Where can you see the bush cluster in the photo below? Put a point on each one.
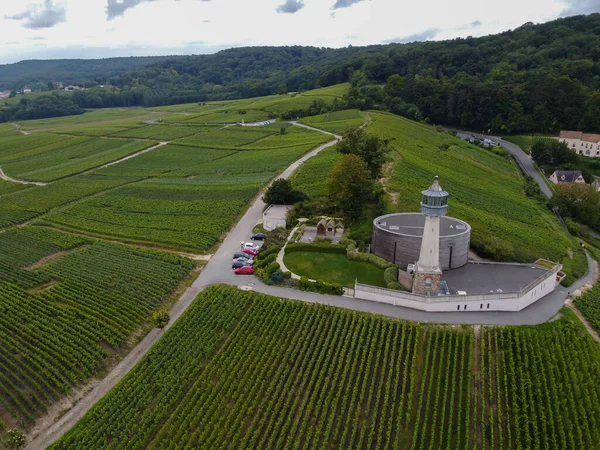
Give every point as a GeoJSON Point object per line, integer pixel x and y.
{"type": "Point", "coordinates": [320, 286]}
{"type": "Point", "coordinates": [354, 255]}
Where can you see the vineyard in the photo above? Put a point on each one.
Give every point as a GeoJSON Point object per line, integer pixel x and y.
{"type": "Point", "coordinates": [187, 196]}
{"type": "Point", "coordinates": [312, 177]}
{"type": "Point", "coordinates": [336, 121]}
{"type": "Point", "coordinates": [67, 304]}
{"type": "Point", "coordinates": [589, 305]}
{"type": "Point", "coordinates": [243, 370]}
{"type": "Point", "coordinates": [67, 157]}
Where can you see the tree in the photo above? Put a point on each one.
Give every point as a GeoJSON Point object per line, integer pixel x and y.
{"type": "Point", "coordinates": [372, 149]}
{"type": "Point", "coordinates": [550, 152]}
{"type": "Point", "coordinates": [350, 185]}
{"type": "Point", "coordinates": [578, 201]}
{"type": "Point", "coordinates": [160, 318]}
{"type": "Point", "coordinates": [281, 193]}
{"type": "Point", "coordinates": [15, 438]}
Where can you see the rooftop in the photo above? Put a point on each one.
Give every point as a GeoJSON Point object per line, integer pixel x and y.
{"type": "Point", "coordinates": [497, 278]}
{"type": "Point", "coordinates": [277, 211]}
{"type": "Point", "coordinates": [412, 224]}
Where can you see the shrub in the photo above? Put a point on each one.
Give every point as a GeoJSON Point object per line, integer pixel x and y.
{"type": "Point", "coordinates": [277, 277]}
{"type": "Point", "coordinates": [320, 248]}
{"type": "Point", "coordinates": [287, 274]}
{"type": "Point", "coordinates": [395, 285]}
{"type": "Point", "coordinates": [264, 262]}
{"type": "Point", "coordinates": [15, 438]}
{"type": "Point", "coordinates": [160, 318]}
{"type": "Point", "coordinates": [261, 274]}
{"type": "Point", "coordinates": [390, 274]}
{"type": "Point", "coordinates": [320, 286]}
{"type": "Point", "coordinates": [354, 255]}
{"type": "Point", "coordinates": [272, 268]}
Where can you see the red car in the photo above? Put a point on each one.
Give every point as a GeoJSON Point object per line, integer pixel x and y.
{"type": "Point", "coordinates": [246, 270]}
{"type": "Point", "coordinates": [249, 251]}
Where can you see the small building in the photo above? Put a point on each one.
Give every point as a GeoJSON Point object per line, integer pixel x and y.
{"type": "Point", "coordinates": [4, 94]}
{"type": "Point", "coordinates": [567, 176]}
{"type": "Point", "coordinates": [26, 90]}
{"type": "Point", "coordinates": [275, 216]}
{"type": "Point", "coordinates": [586, 144]}
{"type": "Point", "coordinates": [329, 228]}
{"type": "Point", "coordinates": [596, 184]}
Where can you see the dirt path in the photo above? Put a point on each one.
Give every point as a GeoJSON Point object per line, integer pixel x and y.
{"type": "Point", "coordinates": [160, 144]}
{"type": "Point", "coordinates": [569, 304]}
{"type": "Point", "coordinates": [5, 177]}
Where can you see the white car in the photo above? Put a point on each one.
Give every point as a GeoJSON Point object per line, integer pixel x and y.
{"type": "Point", "coordinates": [252, 246]}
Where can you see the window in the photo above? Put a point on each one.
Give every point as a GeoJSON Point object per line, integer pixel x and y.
{"type": "Point", "coordinates": [562, 177]}
{"type": "Point", "coordinates": [481, 306]}
{"type": "Point", "coordinates": [458, 307]}
{"type": "Point", "coordinates": [427, 282]}
{"type": "Point", "coordinates": [465, 307]}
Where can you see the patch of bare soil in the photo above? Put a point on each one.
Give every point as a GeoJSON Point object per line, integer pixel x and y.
{"type": "Point", "coordinates": [46, 260]}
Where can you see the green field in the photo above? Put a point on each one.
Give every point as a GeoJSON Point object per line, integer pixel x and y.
{"type": "Point", "coordinates": [311, 177]}
{"type": "Point", "coordinates": [333, 268]}
{"type": "Point", "coordinates": [67, 157]}
{"type": "Point", "coordinates": [64, 316]}
{"type": "Point", "coordinates": [337, 121]}
{"type": "Point", "coordinates": [243, 370]}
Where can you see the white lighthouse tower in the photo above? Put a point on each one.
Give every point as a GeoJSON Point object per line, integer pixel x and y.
{"type": "Point", "coordinates": [434, 204]}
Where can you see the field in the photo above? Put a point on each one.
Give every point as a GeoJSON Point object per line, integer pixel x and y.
{"type": "Point", "coordinates": [187, 196]}
{"type": "Point", "coordinates": [68, 304]}
{"type": "Point", "coordinates": [337, 121]}
{"type": "Point", "coordinates": [243, 370]}
{"type": "Point", "coordinates": [62, 157]}
{"type": "Point", "coordinates": [589, 305]}
{"type": "Point", "coordinates": [333, 268]}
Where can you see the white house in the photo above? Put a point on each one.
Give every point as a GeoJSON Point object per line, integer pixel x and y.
{"type": "Point", "coordinates": [567, 176]}
{"type": "Point", "coordinates": [586, 144]}
{"type": "Point", "coordinates": [27, 90]}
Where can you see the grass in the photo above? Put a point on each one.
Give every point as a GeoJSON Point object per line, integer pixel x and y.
{"type": "Point", "coordinates": [333, 268]}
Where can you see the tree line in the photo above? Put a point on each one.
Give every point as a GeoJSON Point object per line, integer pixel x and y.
{"type": "Point", "coordinates": [536, 78]}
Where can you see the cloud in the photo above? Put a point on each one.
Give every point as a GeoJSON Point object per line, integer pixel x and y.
{"type": "Point", "coordinates": [344, 3]}
{"type": "Point", "coordinates": [290, 7]}
{"type": "Point", "coordinates": [417, 37]}
{"type": "Point", "coordinates": [41, 15]}
{"type": "Point", "coordinates": [575, 7]}
{"type": "Point", "coordinates": [116, 8]}
{"type": "Point", "coordinates": [477, 23]}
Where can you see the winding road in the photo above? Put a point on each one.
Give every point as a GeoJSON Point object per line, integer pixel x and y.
{"type": "Point", "coordinates": [218, 271]}
{"type": "Point", "coordinates": [5, 177]}
{"type": "Point", "coordinates": [522, 158]}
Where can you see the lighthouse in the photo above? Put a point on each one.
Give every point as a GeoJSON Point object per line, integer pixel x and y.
{"type": "Point", "coordinates": [434, 205]}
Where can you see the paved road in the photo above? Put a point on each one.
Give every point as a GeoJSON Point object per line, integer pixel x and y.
{"type": "Point", "coordinates": [521, 157]}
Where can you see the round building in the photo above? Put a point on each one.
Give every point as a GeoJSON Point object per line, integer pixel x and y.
{"type": "Point", "coordinates": [397, 238]}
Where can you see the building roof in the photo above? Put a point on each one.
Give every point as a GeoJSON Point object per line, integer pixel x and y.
{"type": "Point", "coordinates": [488, 278]}
{"type": "Point", "coordinates": [435, 190]}
{"type": "Point", "coordinates": [564, 134]}
{"type": "Point", "coordinates": [570, 176]}
{"type": "Point", "coordinates": [590, 137]}
{"type": "Point", "coordinates": [277, 211]}
{"type": "Point", "coordinates": [586, 137]}
{"type": "Point", "coordinates": [412, 224]}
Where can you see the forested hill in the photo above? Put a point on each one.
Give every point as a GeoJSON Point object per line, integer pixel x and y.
{"type": "Point", "coordinates": [34, 73]}
{"type": "Point", "coordinates": [537, 78]}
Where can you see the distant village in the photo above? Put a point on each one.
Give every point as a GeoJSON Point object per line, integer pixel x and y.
{"type": "Point", "coordinates": [56, 86]}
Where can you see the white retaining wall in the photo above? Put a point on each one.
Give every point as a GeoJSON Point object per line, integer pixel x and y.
{"type": "Point", "coordinates": [482, 302]}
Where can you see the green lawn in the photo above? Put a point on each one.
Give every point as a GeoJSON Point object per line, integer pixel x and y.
{"type": "Point", "coordinates": [333, 268]}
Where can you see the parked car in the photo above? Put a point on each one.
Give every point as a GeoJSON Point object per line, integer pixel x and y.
{"type": "Point", "coordinates": [246, 270]}
{"type": "Point", "coordinates": [238, 264]}
{"type": "Point", "coordinates": [249, 251]}
{"type": "Point", "coordinates": [258, 237]}
{"type": "Point", "coordinates": [251, 245]}
{"type": "Point", "coordinates": [240, 254]}
{"type": "Point", "coordinates": [249, 260]}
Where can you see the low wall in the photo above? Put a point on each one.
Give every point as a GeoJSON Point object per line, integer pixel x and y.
{"type": "Point", "coordinates": [514, 301]}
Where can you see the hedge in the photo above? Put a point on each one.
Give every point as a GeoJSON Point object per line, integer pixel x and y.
{"type": "Point", "coordinates": [354, 255]}
{"type": "Point", "coordinates": [320, 286]}
{"type": "Point", "coordinates": [272, 249]}
{"type": "Point", "coordinates": [319, 248]}
{"type": "Point", "coordinates": [264, 262]}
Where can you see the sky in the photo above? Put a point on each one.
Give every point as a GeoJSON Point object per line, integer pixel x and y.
{"type": "Point", "coordinates": [50, 29]}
